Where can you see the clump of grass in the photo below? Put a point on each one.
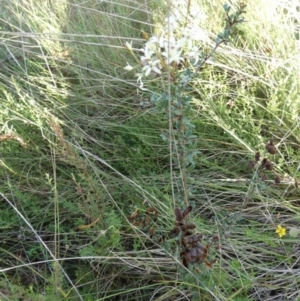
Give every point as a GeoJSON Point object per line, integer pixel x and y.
{"type": "Point", "coordinates": [81, 151]}
{"type": "Point", "coordinates": [60, 141]}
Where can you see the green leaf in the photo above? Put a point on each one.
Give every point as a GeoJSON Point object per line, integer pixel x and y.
{"type": "Point", "coordinates": [226, 7]}
{"type": "Point", "coordinates": [178, 112]}
{"type": "Point", "coordinates": [164, 137]}
{"type": "Point", "coordinates": [294, 232]}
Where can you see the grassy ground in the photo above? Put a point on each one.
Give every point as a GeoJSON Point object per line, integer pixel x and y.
{"type": "Point", "coordinates": [86, 176]}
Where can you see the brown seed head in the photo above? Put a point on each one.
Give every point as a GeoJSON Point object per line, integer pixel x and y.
{"type": "Point", "coordinates": [257, 156]}
{"type": "Point", "coordinates": [174, 232]}
{"type": "Point", "coordinates": [190, 226]}
{"type": "Point", "coordinates": [187, 211]}
{"type": "Point", "coordinates": [269, 165]}
{"type": "Point", "coordinates": [277, 180]}
{"type": "Point", "coordinates": [178, 215]}
{"type": "Point", "coordinates": [271, 148]}
{"type": "Point", "coordinates": [264, 162]}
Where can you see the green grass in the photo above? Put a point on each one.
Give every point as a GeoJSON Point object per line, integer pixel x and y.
{"type": "Point", "coordinates": [81, 155]}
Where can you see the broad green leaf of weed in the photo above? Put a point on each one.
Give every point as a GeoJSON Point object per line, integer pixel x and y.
{"type": "Point", "coordinates": [294, 232]}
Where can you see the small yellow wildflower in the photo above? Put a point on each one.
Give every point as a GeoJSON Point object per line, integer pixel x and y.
{"type": "Point", "coordinates": [280, 231]}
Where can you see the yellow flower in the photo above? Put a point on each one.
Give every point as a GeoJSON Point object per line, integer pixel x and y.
{"type": "Point", "coordinates": [280, 231]}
